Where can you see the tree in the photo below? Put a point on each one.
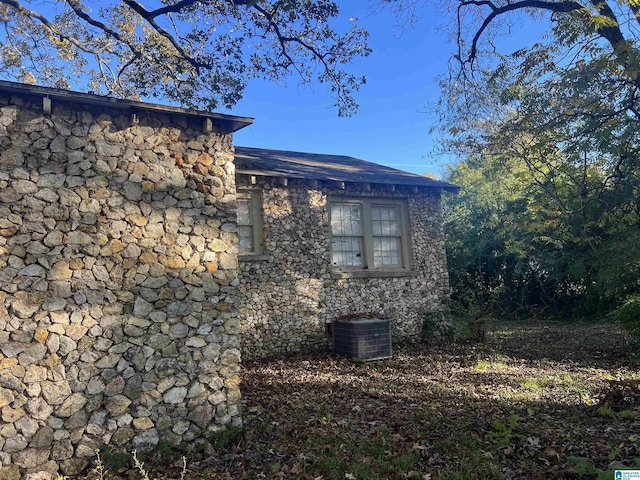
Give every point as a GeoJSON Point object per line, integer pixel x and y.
{"type": "Point", "coordinates": [580, 81]}
{"type": "Point", "coordinates": [564, 113]}
{"type": "Point", "coordinates": [522, 242]}
{"type": "Point", "coordinates": [198, 53]}
{"type": "Point", "coordinates": [568, 110]}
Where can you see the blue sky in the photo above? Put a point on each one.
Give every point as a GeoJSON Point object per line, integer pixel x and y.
{"type": "Point", "coordinates": [392, 125]}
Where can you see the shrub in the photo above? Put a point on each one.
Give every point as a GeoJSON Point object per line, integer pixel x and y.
{"type": "Point", "coordinates": [114, 459]}
{"type": "Point", "coordinates": [435, 326]}
{"type": "Point", "coordinates": [628, 314]}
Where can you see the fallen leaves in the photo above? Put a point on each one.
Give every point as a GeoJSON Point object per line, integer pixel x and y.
{"type": "Point", "coordinates": [437, 409]}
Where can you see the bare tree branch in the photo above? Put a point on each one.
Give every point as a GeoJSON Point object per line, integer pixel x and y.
{"type": "Point", "coordinates": [496, 11]}
{"type": "Point", "coordinates": [149, 18]}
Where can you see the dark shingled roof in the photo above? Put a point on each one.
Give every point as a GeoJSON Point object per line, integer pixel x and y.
{"type": "Point", "coordinates": [224, 123]}
{"type": "Point", "coordinates": [315, 166]}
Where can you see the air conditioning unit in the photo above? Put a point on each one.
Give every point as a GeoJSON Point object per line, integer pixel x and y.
{"type": "Point", "coordinates": [362, 339]}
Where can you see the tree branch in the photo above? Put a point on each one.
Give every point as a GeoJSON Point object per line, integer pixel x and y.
{"type": "Point", "coordinates": [149, 18]}
{"type": "Point", "coordinates": [144, 47]}
{"type": "Point", "coordinates": [75, 6]}
{"type": "Point", "coordinates": [610, 33]}
{"type": "Point", "coordinates": [184, 4]}
{"type": "Point", "coordinates": [174, 8]}
{"type": "Point", "coordinates": [286, 39]}
{"type": "Point", "coordinates": [49, 26]}
{"type": "Point", "coordinates": [558, 7]}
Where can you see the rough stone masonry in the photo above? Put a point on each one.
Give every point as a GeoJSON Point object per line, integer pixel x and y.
{"type": "Point", "coordinates": [118, 277]}
{"type": "Point", "coordinates": [290, 293]}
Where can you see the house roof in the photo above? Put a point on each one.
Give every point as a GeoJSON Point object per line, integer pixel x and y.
{"type": "Point", "coordinates": [315, 166]}
{"type": "Point", "coordinates": [223, 123]}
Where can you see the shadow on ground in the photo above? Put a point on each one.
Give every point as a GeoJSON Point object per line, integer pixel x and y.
{"type": "Point", "coordinates": [524, 405]}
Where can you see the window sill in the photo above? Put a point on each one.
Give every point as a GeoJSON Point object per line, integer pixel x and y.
{"type": "Point", "coordinates": [253, 258]}
{"type": "Point", "coordinates": [373, 273]}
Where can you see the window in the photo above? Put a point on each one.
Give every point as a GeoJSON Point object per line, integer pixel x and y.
{"type": "Point", "coordinates": [368, 233]}
{"type": "Point", "coordinates": [347, 243]}
{"type": "Point", "coordinates": [249, 222]}
{"type": "Point", "coordinates": [385, 227]}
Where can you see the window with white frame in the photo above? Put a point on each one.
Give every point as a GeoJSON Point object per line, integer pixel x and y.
{"type": "Point", "coordinates": [249, 222]}
{"type": "Point", "coordinates": [368, 233]}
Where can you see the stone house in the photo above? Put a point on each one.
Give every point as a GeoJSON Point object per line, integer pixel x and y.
{"type": "Point", "coordinates": [326, 236]}
{"type": "Point", "coordinates": [139, 256]}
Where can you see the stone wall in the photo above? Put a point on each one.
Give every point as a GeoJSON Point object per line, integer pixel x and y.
{"type": "Point", "coordinates": [118, 276]}
{"type": "Point", "coordinates": [290, 293]}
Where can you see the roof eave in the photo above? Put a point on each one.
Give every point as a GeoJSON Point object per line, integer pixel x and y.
{"type": "Point", "coordinates": [224, 124]}
{"type": "Point", "coordinates": [263, 173]}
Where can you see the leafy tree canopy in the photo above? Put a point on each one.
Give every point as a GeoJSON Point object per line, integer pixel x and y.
{"type": "Point", "coordinates": [199, 53]}
{"type": "Point", "coordinates": [521, 241]}
{"type": "Point", "coordinates": [548, 142]}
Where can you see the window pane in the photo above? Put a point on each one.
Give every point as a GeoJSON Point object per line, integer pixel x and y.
{"type": "Point", "coordinates": [356, 220]}
{"type": "Point", "coordinates": [386, 251]}
{"type": "Point", "coordinates": [336, 219]}
{"type": "Point", "coordinates": [244, 211]}
{"type": "Point", "coordinates": [246, 238]}
{"type": "Point", "coordinates": [350, 235]}
{"type": "Point", "coordinates": [346, 219]}
{"type": "Point", "coordinates": [385, 221]}
{"type": "Point", "coordinates": [347, 251]}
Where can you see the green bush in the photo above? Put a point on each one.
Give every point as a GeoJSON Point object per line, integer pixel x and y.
{"type": "Point", "coordinates": [115, 459]}
{"type": "Point", "coordinates": [479, 328]}
{"type": "Point", "coordinates": [435, 326]}
{"type": "Point", "coordinates": [471, 322]}
{"type": "Point", "coordinates": [471, 329]}
{"type": "Point", "coordinates": [628, 314]}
